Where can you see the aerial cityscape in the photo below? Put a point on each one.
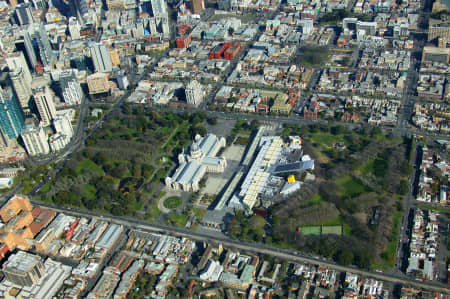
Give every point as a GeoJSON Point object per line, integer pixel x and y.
{"type": "Point", "coordinates": [224, 149]}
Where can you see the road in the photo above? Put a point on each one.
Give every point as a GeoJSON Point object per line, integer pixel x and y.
{"type": "Point", "coordinates": [297, 120]}
{"type": "Point", "coordinates": [245, 246]}
{"type": "Point", "coordinates": [409, 204]}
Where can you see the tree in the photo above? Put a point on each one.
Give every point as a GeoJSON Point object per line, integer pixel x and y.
{"type": "Point", "coordinates": [380, 166]}
{"type": "Point", "coordinates": [337, 130]}
{"type": "Point", "coordinates": [199, 129]}
{"type": "Point", "coordinates": [212, 121]}
{"type": "Point", "coordinates": [345, 257]}
{"type": "Point", "coordinates": [254, 124]}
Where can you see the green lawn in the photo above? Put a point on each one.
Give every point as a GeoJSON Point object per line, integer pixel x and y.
{"type": "Point", "coordinates": [161, 194]}
{"type": "Point", "coordinates": [311, 230]}
{"type": "Point", "coordinates": [172, 202]}
{"type": "Point", "coordinates": [351, 186]}
{"type": "Point", "coordinates": [390, 254]}
{"type": "Point", "coordinates": [332, 222]}
{"type": "Point", "coordinates": [88, 191]}
{"type": "Point", "coordinates": [317, 198]}
{"type": "Point", "coordinates": [367, 169]}
{"type": "Point", "coordinates": [326, 139]}
{"type": "Point", "coordinates": [347, 229]}
{"type": "Point", "coordinates": [153, 213]}
{"type": "Point", "coordinates": [46, 188]}
{"type": "Point", "coordinates": [89, 166]}
{"type": "Point", "coordinates": [438, 209]}
{"type": "Point", "coordinates": [176, 219]}
{"type": "Point", "coordinates": [199, 213]}
{"type": "Point", "coordinates": [332, 230]}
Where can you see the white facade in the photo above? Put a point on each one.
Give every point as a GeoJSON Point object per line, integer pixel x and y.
{"type": "Point", "coordinates": [17, 61]}
{"type": "Point", "coordinates": [212, 271]}
{"type": "Point", "coordinates": [101, 58]}
{"type": "Point", "coordinates": [22, 87]}
{"type": "Point", "coordinates": [72, 93]}
{"type": "Point", "coordinates": [57, 142]}
{"type": "Point", "coordinates": [63, 125]}
{"type": "Point", "coordinates": [165, 27]}
{"type": "Point", "coordinates": [199, 159]}
{"type": "Point", "coordinates": [74, 28]}
{"type": "Point", "coordinates": [122, 81]}
{"type": "Point", "coordinates": [69, 87]}
{"type": "Point", "coordinates": [35, 141]}
{"type": "Point", "coordinates": [307, 26]}
{"type": "Point", "coordinates": [43, 98]}
{"type": "Point", "coordinates": [64, 132]}
{"type": "Point", "coordinates": [159, 7]}
{"type": "Point", "coordinates": [194, 93]}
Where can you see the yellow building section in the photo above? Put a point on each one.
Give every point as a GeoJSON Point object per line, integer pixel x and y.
{"type": "Point", "coordinates": [291, 178]}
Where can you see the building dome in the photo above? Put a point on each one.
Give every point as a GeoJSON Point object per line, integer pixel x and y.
{"type": "Point", "coordinates": [196, 152]}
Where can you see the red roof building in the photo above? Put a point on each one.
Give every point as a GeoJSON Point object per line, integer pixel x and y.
{"type": "Point", "coordinates": [42, 217]}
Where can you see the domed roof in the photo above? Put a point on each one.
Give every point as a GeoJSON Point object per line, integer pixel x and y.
{"type": "Point", "coordinates": [195, 147]}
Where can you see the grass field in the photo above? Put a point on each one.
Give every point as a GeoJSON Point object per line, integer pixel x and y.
{"type": "Point", "coordinates": [332, 230]}
{"type": "Point", "coordinates": [88, 191]}
{"type": "Point", "coordinates": [160, 195]}
{"type": "Point", "coordinates": [46, 188]}
{"type": "Point", "coordinates": [367, 169]}
{"type": "Point", "coordinates": [351, 186]}
{"type": "Point", "coordinates": [199, 213]}
{"type": "Point", "coordinates": [177, 219]}
{"type": "Point", "coordinates": [438, 209]}
{"type": "Point", "coordinates": [326, 139]}
{"type": "Point", "coordinates": [153, 213]}
{"type": "Point", "coordinates": [333, 221]}
{"type": "Point", "coordinates": [172, 202]}
{"type": "Point", "coordinates": [311, 230]}
{"type": "Point", "coordinates": [389, 255]}
{"type": "Point", "coordinates": [89, 166]}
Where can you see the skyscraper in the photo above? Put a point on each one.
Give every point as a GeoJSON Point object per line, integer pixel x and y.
{"type": "Point", "coordinates": [159, 7]}
{"type": "Point", "coordinates": [69, 88]}
{"type": "Point", "coordinates": [79, 9]}
{"type": "Point", "coordinates": [35, 140]}
{"type": "Point", "coordinates": [23, 269]}
{"type": "Point", "coordinates": [39, 37]}
{"type": "Point", "coordinates": [63, 125]}
{"type": "Point", "coordinates": [21, 78]}
{"type": "Point", "coordinates": [11, 117]}
{"type": "Point", "coordinates": [45, 104]}
{"type": "Point", "coordinates": [198, 6]}
{"type": "Point", "coordinates": [165, 26]}
{"type": "Point", "coordinates": [21, 87]}
{"type": "Point", "coordinates": [74, 28]}
{"type": "Point", "coordinates": [23, 14]}
{"type": "Point", "coordinates": [29, 49]}
{"type": "Point", "coordinates": [101, 58]}
{"type": "Point", "coordinates": [194, 93]}
{"type": "Point", "coordinates": [17, 61]}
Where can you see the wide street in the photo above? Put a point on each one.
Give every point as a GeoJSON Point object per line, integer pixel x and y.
{"type": "Point", "coordinates": [132, 223]}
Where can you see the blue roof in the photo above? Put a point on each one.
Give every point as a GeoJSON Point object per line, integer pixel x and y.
{"type": "Point", "coordinates": [292, 167]}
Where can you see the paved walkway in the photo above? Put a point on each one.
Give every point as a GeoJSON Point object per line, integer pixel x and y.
{"type": "Point", "coordinates": [161, 206]}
